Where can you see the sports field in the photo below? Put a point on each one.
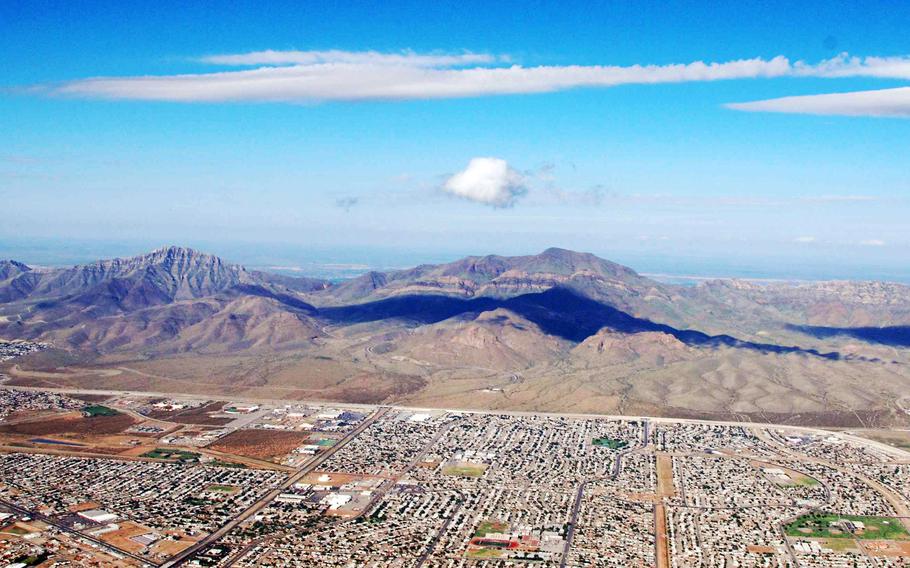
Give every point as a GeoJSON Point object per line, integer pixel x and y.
{"type": "Point", "coordinates": [824, 525]}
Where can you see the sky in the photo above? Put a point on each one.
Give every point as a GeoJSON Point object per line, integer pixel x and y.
{"type": "Point", "coordinates": [760, 138]}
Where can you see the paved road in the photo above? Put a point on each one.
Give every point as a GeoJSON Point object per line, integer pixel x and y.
{"type": "Point", "coordinates": [573, 520]}
{"type": "Point", "coordinates": [893, 498]}
{"type": "Point", "coordinates": [110, 548]}
{"type": "Point", "coordinates": [380, 492]}
{"type": "Point", "coordinates": [304, 470]}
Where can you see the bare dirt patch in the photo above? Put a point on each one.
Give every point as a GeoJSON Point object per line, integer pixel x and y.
{"type": "Point", "coordinates": [660, 528]}
{"type": "Point", "coordinates": [895, 438]}
{"type": "Point", "coordinates": [90, 397]}
{"type": "Point", "coordinates": [887, 547]}
{"type": "Point", "coordinates": [73, 423]}
{"type": "Point", "coordinates": [665, 487]}
{"type": "Point", "coordinates": [171, 547]}
{"type": "Point", "coordinates": [122, 537]}
{"type": "Point", "coordinates": [262, 444]}
{"type": "Point", "coordinates": [199, 415]}
{"type": "Point", "coordinates": [87, 506]}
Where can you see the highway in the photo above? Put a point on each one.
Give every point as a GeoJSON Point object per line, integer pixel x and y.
{"type": "Point", "coordinates": [387, 486]}
{"type": "Point", "coordinates": [573, 519]}
{"type": "Point", "coordinates": [579, 495]}
{"type": "Point", "coordinates": [897, 452]}
{"type": "Point", "coordinates": [304, 470]}
{"type": "Point", "coordinates": [438, 536]}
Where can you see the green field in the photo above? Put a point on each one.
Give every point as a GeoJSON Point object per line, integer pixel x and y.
{"type": "Point", "coordinates": [824, 525]}
{"type": "Point", "coordinates": [18, 531]}
{"type": "Point", "coordinates": [806, 481]}
{"type": "Point", "coordinates": [171, 454]}
{"type": "Point", "coordinates": [465, 469]}
{"type": "Point", "coordinates": [219, 488]}
{"type": "Point", "coordinates": [98, 410]}
{"type": "Point", "coordinates": [33, 560]}
{"type": "Point", "coordinates": [483, 553]}
{"type": "Point", "coordinates": [610, 443]}
{"type": "Point", "coordinates": [487, 527]}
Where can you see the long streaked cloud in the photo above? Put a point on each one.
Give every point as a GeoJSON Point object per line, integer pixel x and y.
{"type": "Point", "coordinates": [845, 65]}
{"type": "Point", "coordinates": [337, 75]}
{"type": "Point", "coordinates": [397, 81]}
{"type": "Point", "coordinates": [884, 102]}
{"type": "Point", "coordinates": [272, 57]}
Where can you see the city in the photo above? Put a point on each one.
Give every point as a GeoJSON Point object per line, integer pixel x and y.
{"type": "Point", "coordinates": [191, 482]}
{"type": "Point", "coordinates": [454, 284]}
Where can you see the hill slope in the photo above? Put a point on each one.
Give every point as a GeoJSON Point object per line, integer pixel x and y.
{"type": "Point", "coordinates": [554, 331]}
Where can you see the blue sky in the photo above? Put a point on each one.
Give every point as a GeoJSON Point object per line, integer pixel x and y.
{"type": "Point", "coordinates": [571, 145]}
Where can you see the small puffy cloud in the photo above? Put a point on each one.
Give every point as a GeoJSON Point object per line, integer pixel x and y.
{"type": "Point", "coordinates": [804, 240]}
{"type": "Point", "coordinates": [591, 197]}
{"type": "Point", "coordinates": [346, 202]}
{"type": "Point", "coordinates": [873, 243]}
{"type": "Point", "coordinates": [490, 181]}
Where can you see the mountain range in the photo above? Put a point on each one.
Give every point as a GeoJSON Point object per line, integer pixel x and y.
{"type": "Point", "coordinates": [559, 330]}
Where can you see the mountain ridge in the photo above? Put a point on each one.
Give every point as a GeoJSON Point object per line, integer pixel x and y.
{"type": "Point", "coordinates": [506, 330]}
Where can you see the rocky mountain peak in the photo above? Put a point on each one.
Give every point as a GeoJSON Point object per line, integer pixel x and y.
{"type": "Point", "coordinates": [12, 268]}
{"type": "Point", "coordinates": [181, 256]}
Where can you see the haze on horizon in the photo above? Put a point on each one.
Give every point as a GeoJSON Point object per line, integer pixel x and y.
{"type": "Point", "coordinates": [759, 139]}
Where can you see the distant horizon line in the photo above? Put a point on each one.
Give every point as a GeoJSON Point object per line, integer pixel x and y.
{"type": "Point", "coordinates": [336, 269]}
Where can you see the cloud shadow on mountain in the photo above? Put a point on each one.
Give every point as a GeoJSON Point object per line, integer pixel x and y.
{"type": "Point", "coordinates": [558, 311]}
{"type": "Point", "coordinates": [894, 336]}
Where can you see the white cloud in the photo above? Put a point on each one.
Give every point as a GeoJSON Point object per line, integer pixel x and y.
{"type": "Point", "coordinates": [804, 240]}
{"type": "Point", "coordinates": [410, 79]}
{"type": "Point", "coordinates": [839, 198]}
{"type": "Point", "coordinates": [490, 181]}
{"type": "Point", "coordinates": [270, 57]}
{"type": "Point", "coordinates": [845, 65]}
{"type": "Point", "coordinates": [884, 102]}
{"type": "Point", "coordinates": [337, 75]}
{"type": "Point", "coordinates": [873, 243]}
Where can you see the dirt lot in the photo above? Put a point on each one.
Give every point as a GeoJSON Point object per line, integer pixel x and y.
{"type": "Point", "coordinates": [665, 487]}
{"type": "Point", "coordinates": [198, 415]}
{"type": "Point", "coordinates": [887, 547]}
{"type": "Point", "coordinates": [90, 398]}
{"type": "Point", "coordinates": [121, 537]}
{"type": "Point", "coordinates": [72, 423]}
{"type": "Point", "coordinates": [171, 547]}
{"type": "Point", "coordinates": [660, 528]}
{"type": "Point", "coordinates": [897, 438]}
{"type": "Point", "coordinates": [262, 444]}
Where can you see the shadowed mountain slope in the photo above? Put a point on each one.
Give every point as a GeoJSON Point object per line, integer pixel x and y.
{"type": "Point", "coordinates": [558, 331]}
{"type": "Point", "coordinates": [894, 336]}
{"type": "Point", "coordinates": [557, 311]}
